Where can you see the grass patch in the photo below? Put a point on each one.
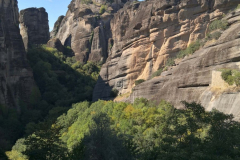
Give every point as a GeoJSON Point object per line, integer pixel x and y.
{"type": "Point", "coordinates": [215, 35]}
{"type": "Point", "coordinates": [157, 73]}
{"type": "Point", "coordinates": [170, 61]}
{"type": "Point", "coordinates": [137, 82]}
{"type": "Point", "coordinates": [218, 24]}
{"type": "Point", "coordinates": [190, 49]}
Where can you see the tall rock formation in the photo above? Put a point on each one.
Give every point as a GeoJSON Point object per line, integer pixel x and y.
{"type": "Point", "coordinates": [145, 34]}
{"type": "Point", "coordinates": [16, 78]}
{"type": "Point", "coordinates": [86, 28]}
{"type": "Point", "coordinates": [34, 26]}
{"type": "Point", "coordinates": [56, 27]}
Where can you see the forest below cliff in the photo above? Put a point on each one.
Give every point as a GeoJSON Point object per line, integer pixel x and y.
{"type": "Point", "coordinates": [182, 53]}
{"type": "Point", "coordinates": [107, 129]}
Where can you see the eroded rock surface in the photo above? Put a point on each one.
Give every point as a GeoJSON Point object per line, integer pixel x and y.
{"type": "Point", "coordinates": [16, 79]}
{"type": "Point", "coordinates": [86, 30]}
{"type": "Point", "coordinates": [145, 34]}
{"type": "Point", "coordinates": [55, 43]}
{"type": "Point", "coordinates": [34, 26]}
{"type": "Point", "coordinates": [56, 27]}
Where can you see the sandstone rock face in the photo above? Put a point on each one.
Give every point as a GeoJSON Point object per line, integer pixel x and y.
{"type": "Point", "coordinates": [87, 31]}
{"type": "Point", "coordinates": [197, 77]}
{"type": "Point", "coordinates": [16, 79]}
{"type": "Point", "coordinates": [34, 26]}
{"type": "Point", "coordinates": [145, 34]}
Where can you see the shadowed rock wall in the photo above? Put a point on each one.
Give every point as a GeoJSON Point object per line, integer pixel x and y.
{"type": "Point", "coordinates": [16, 79]}
{"type": "Point", "coordinates": [34, 26]}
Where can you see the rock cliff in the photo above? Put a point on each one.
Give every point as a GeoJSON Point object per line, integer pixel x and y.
{"type": "Point", "coordinates": [16, 79]}
{"type": "Point", "coordinates": [34, 26]}
{"type": "Point", "coordinates": [86, 28]}
{"type": "Point", "coordinates": [146, 34]}
{"type": "Point", "coordinates": [56, 27]}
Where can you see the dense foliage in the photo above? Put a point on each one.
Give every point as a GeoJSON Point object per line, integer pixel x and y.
{"type": "Point", "coordinates": [60, 80]}
{"type": "Point", "coordinates": [143, 130]}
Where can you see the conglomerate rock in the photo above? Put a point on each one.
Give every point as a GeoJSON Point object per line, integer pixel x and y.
{"type": "Point", "coordinates": [16, 78]}
{"type": "Point", "coordinates": [34, 26]}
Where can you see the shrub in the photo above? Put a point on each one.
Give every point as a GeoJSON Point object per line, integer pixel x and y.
{"type": "Point", "coordinates": [157, 73]}
{"type": "Point", "coordinates": [137, 82]}
{"type": "Point", "coordinates": [114, 93]}
{"type": "Point", "coordinates": [231, 76]}
{"type": "Point", "coordinates": [170, 62]}
{"type": "Point", "coordinates": [226, 73]}
{"type": "Point", "coordinates": [214, 35]}
{"type": "Point", "coordinates": [103, 9]}
{"type": "Point", "coordinates": [190, 49]}
{"type": "Point", "coordinates": [218, 24]}
{"type": "Point", "coordinates": [236, 77]}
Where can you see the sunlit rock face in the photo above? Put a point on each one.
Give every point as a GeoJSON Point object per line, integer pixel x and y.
{"type": "Point", "coordinates": [16, 78]}
{"type": "Point", "coordinates": [86, 29]}
{"type": "Point", "coordinates": [34, 26]}
{"type": "Point", "coordinates": [145, 34]}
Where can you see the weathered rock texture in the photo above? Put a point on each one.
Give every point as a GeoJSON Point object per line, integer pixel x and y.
{"type": "Point", "coordinates": [16, 79]}
{"type": "Point", "coordinates": [56, 27]}
{"type": "Point", "coordinates": [197, 77]}
{"type": "Point", "coordinates": [34, 26]}
{"type": "Point", "coordinates": [87, 31]}
{"type": "Point", "coordinates": [145, 34]}
{"type": "Point", "coordinates": [55, 43]}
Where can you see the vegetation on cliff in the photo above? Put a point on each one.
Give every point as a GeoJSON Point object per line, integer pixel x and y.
{"type": "Point", "coordinates": [61, 81]}
{"type": "Point", "coordinates": [231, 76]}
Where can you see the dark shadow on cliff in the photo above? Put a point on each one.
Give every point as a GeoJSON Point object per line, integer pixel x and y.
{"type": "Point", "coordinates": [102, 90]}
{"type": "Point", "coordinates": [61, 81]}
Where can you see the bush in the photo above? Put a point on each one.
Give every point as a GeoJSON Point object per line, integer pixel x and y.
{"type": "Point", "coordinates": [170, 62]}
{"type": "Point", "coordinates": [214, 35]}
{"type": "Point", "coordinates": [218, 24]}
{"type": "Point", "coordinates": [237, 78]}
{"type": "Point", "coordinates": [103, 9]}
{"type": "Point", "coordinates": [231, 76]}
{"type": "Point", "coordinates": [114, 93]}
{"type": "Point", "coordinates": [137, 82]}
{"type": "Point", "coordinates": [190, 49]}
{"type": "Point", "coordinates": [226, 73]}
{"type": "Point", "coordinates": [157, 73]}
